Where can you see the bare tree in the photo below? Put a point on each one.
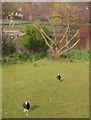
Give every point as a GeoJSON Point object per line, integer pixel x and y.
{"type": "Point", "coordinates": [68, 36]}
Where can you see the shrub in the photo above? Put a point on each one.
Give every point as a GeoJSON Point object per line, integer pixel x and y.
{"type": "Point", "coordinates": [23, 57]}
{"type": "Point", "coordinates": [33, 40]}
{"type": "Point", "coordinates": [77, 54]}
{"type": "Point", "coordinates": [7, 46]}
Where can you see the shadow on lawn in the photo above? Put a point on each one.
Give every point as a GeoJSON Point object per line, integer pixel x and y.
{"type": "Point", "coordinates": [34, 107]}
{"type": "Point", "coordinates": [62, 79]}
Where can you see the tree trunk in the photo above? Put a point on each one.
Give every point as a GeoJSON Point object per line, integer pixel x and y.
{"type": "Point", "coordinates": [55, 54]}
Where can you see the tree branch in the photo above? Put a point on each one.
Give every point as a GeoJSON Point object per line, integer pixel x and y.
{"type": "Point", "coordinates": [70, 47]}
{"type": "Point", "coordinates": [52, 27]}
{"type": "Point", "coordinates": [18, 37]}
{"type": "Point", "coordinates": [65, 33]}
{"type": "Point", "coordinates": [69, 40]}
{"type": "Point", "coordinates": [17, 49]}
{"type": "Point", "coordinates": [42, 33]}
{"type": "Point", "coordinates": [54, 34]}
{"type": "Point", "coordinates": [46, 40]}
{"type": "Point", "coordinates": [46, 35]}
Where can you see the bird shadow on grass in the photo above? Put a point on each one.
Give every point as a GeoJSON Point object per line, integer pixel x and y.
{"type": "Point", "coordinates": [34, 107]}
{"type": "Point", "coordinates": [61, 80]}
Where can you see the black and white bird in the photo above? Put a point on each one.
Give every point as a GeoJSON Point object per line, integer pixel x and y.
{"type": "Point", "coordinates": [58, 77]}
{"type": "Point", "coordinates": [26, 107]}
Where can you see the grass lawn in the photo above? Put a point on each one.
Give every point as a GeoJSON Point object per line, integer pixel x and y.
{"type": "Point", "coordinates": [15, 26]}
{"type": "Point", "coordinates": [36, 83]}
{"type": "Point", "coordinates": [0, 91]}
{"type": "Point", "coordinates": [23, 26]}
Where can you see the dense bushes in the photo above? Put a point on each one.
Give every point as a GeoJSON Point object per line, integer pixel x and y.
{"type": "Point", "coordinates": [7, 46]}
{"type": "Point", "coordinates": [33, 41]}
{"type": "Point", "coordinates": [69, 56]}
{"type": "Point", "coordinates": [77, 54]}
{"type": "Point", "coordinates": [20, 58]}
{"type": "Point", "coordinates": [37, 48]}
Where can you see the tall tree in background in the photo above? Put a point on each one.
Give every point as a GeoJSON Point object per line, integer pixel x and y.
{"type": "Point", "coordinates": [65, 23]}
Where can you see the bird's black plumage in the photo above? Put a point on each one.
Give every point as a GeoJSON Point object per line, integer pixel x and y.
{"type": "Point", "coordinates": [26, 105]}
{"type": "Point", "coordinates": [58, 77]}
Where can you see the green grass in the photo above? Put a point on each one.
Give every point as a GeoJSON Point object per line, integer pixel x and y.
{"type": "Point", "coordinates": [36, 83]}
{"type": "Point", "coordinates": [15, 26]}
{"type": "Point", "coordinates": [0, 91]}
{"type": "Point", "coordinates": [23, 26]}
